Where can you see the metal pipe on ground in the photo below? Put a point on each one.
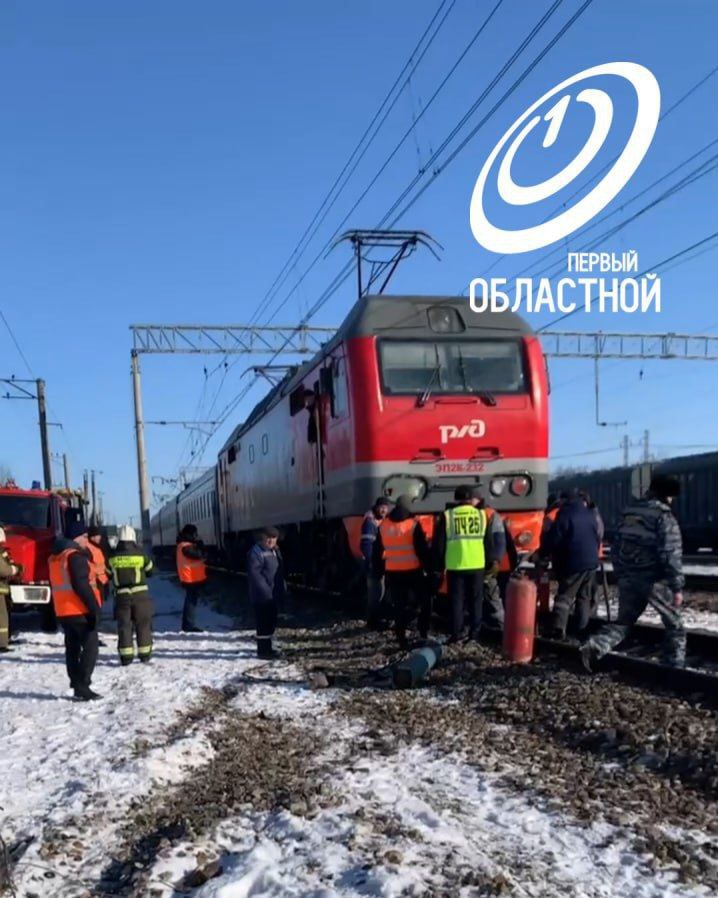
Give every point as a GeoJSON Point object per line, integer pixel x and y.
{"type": "Point", "coordinates": [411, 672]}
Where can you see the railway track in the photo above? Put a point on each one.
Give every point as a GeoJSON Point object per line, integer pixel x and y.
{"type": "Point", "coordinates": [634, 663]}
{"type": "Point", "coordinates": [698, 682]}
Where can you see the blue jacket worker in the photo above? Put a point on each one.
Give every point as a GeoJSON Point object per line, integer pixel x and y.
{"type": "Point", "coordinates": [265, 571]}
{"type": "Point", "coordinates": [573, 543]}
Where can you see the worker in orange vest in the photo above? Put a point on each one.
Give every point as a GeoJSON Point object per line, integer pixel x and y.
{"type": "Point", "coordinates": [192, 573]}
{"type": "Point", "coordinates": [99, 562]}
{"type": "Point", "coordinates": [401, 555]}
{"type": "Point", "coordinates": [496, 575]}
{"type": "Point", "coordinates": [77, 601]}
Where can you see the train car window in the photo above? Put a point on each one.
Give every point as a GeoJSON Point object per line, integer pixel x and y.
{"type": "Point", "coordinates": [265, 444]}
{"type": "Point", "coordinates": [251, 454]}
{"type": "Point", "coordinates": [340, 405]}
{"type": "Point", "coordinates": [452, 366]}
{"type": "Point", "coordinates": [231, 455]}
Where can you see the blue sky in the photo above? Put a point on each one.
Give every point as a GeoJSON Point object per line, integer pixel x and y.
{"type": "Point", "coordinates": [160, 161]}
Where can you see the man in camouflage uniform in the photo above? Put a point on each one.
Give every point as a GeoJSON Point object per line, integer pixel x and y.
{"type": "Point", "coordinates": [649, 568]}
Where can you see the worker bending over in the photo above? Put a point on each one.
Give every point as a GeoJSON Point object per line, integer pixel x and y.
{"type": "Point", "coordinates": [129, 567]}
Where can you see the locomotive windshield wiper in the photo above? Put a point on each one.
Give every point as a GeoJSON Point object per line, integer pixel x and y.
{"type": "Point", "coordinates": [483, 395]}
{"type": "Point", "coordinates": [423, 399]}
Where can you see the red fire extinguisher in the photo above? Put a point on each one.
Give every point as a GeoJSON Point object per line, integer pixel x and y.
{"type": "Point", "coordinates": [520, 620]}
{"type": "Point", "coordinates": [543, 588]}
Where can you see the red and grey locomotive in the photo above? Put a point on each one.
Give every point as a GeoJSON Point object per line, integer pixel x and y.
{"type": "Point", "coordinates": [413, 394]}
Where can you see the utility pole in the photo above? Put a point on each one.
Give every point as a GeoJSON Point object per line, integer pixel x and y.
{"type": "Point", "coordinates": [85, 487]}
{"type": "Point", "coordinates": [646, 446]}
{"type": "Point", "coordinates": [142, 475]}
{"type": "Point", "coordinates": [66, 466]}
{"type": "Point", "coordinates": [44, 439]}
{"type": "Point", "coordinates": [93, 515]}
{"type": "Point", "coordinates": [625, 445]}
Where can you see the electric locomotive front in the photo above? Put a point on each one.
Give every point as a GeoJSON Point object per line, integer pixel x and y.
{"type": "Point", "coordinates": [443, 396]}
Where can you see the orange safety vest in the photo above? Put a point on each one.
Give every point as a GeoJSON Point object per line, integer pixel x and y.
{"type": "Point", "coordinates": [190, 570]}
{"type": "Point", "coordinates": [397, 537]}
{"type": "Point", "coordinates": [97, 566]}
{"type": "Point", "coordinates": [504, 561]}
{"type": "Point", "coordinates": [66, 601]}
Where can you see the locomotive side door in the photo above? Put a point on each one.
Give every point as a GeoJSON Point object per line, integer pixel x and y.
{"type": "Point", "coordinates": [320, 411]}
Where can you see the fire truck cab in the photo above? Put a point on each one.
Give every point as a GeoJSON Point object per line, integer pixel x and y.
{"type": "Point", "coordinates": [32, 520]}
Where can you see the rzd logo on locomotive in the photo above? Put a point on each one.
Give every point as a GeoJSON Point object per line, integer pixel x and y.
{"type": "Point", "coordinates": [500, 240]}
{"type": "Point", "coordinates": [475, 428]}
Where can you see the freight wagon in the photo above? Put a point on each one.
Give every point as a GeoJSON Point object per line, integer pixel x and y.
{"type": "Point", "coordinates": [696, 508]}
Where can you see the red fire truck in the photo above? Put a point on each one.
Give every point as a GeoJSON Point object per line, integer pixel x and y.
{"type": "Point", "coordinates": [32, 519]}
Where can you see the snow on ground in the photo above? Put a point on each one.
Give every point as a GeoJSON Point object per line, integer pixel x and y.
{"type": "Point", "coordinates": [408, 823]}
{"type": "Point", "coordinates": [415, 824]}
{"type": "Point", "coordinates": [693, 619]}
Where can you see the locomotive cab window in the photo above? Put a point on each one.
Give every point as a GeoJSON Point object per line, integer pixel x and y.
{"type": "Point", "coordinates": [340, 403]}
{"type": "Point", "coordinates": [452, 366]}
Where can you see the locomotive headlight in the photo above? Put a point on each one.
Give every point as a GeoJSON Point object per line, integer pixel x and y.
{"type": "Point", "coordinates": [404, 485]}
{"type": "Point", "coordinates": [520, 486]}
{"type": "Point", "coordinates": [497, 486]}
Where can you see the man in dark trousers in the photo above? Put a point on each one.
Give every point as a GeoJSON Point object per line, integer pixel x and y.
{"type": "Point", "coordinates": [648, 561]}
{"type": "Point", "coordinates": [77, 602]}
{"type": "Point", "coordinates": [265, 572]}
{"type": "Point", "coordinates": [130, 567]}
{"type": "Point", "coordinates": [375, 586]}
{"type": "Point", "coordinates": [463, 547]}
{"type": "Point", "coordinates": [572, 542]}
{"type": "Point", "coordinates": [401, 554]}
{"type": "Point", "coordinates": [192, 573]}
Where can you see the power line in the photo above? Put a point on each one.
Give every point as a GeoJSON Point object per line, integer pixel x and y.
{"type": "Point", "coordinates": [17, 345]}
{"type": "Point", "coordinates": [650, 268]}
{"type": "Point", "coordinates": [560, 250]}
{"type": "Point", "coordinates": [355, 157]}
{"type": "Point", "coordinates": [522, 46]}
{"type": "Point", "coordinates": [411, 129]}
{"type": "Point", "coordinates": [345, 272]}
{"type": "Point", "coordinates": [326, 206]}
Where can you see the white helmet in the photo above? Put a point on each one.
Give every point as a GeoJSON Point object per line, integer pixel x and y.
{"type": "Point", "coordinates": [2, 535]}
{"type": "Point", "coordinates": [127, 534]}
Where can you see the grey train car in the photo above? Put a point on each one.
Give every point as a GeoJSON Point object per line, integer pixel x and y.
{"type": "Point", "coordinates": [696, 508]}
{"type": "Point", "coordinates": [197, 504]}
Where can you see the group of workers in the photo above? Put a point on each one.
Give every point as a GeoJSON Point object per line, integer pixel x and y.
{"type": "Point", "coordinates": [469, 554]}
{"type": "Point", "coordinates": [466, 552]}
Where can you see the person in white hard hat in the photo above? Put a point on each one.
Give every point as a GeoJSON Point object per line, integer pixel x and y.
{"type": "Point", "coordinates": [129, 567]}
{"type": "Point", "coordinates": [8, 570]}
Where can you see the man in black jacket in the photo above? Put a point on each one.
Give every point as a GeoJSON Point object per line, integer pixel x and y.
{"type": "Point", "coordinates": [572, 542]}
{"type": "Point", "coordinates": [401, 553]}
{"type": "Point", "coordinates": [265, 573]}
{"type": "Point", "coordinates": [78, 608]}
